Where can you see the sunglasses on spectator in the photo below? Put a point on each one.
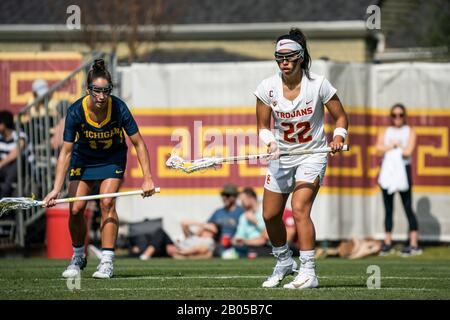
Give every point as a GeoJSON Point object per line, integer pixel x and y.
{"type": "Point", "coordinates": [288, 56]}
{"type": "Point", "coordinates": [397, 115]}
{"type": "Point", "coordinates": [227, 195]}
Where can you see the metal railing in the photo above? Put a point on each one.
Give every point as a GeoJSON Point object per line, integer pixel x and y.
{"type": "Point", "coordinates": [42, 121]}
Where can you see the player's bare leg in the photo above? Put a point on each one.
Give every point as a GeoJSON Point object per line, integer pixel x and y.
{"type": "Point", "coordinates": [77, 221]}
{"type": "Point", "coordinates": [109, 228]}
{"type": "Point", "coordinates": [413, 242]}
{"type": "Point", "coordinates": [273, 207]}
{"type": "Point", "coordinates": [110, 220]}
{"type": "Point", "coordinates": [77, 227]}
{"type": "Point", "coordinates": [388, 238]}
{"type": "Point", "coordinates": [302, 201]}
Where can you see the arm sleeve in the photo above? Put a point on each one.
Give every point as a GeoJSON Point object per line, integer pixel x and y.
{"type": "Point", "coordinates": [240, 231]}
{"type": "Point", "coordinates": [326, 91]}
{"type": "Point", "coordinates": [259, 217]}
{"type": "Point", "coordinates": [213, 217]}
{"type": "Point", "coordinates": [262, 94]}
{"type": "Point", "coordinates": [70, 127]}
{"type": "Point", "coordinates": [128, 123]}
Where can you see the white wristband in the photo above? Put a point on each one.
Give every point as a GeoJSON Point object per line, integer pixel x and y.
{"type": "Point", "coordinates": [340, 132]}
{"type": "Point", "coordinates": [266, 136]}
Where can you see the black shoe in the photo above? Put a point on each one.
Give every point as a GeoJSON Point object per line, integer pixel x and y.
{"type": "Point", "coordinates": [386, 249]}
{"type": "Point", "coordinates": [411, 251]}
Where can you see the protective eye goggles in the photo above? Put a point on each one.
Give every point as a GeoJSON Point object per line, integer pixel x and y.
{"type": "Point", "coordinates": [97, 90]}
{"type": "Point", "coordinates": [288, 56]}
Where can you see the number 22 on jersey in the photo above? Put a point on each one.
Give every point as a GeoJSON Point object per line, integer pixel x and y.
{"type": "Point", "coordinates": [300, 128]}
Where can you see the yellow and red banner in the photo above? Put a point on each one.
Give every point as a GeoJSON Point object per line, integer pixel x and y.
{"type": "Point", "coordinates": [20, 69]}
{"type": "Point", "coordinates": [195, 130]}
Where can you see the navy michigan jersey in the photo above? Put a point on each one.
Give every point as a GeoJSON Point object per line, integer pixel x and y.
{"type": "Point", "coordinates": [99, 144]}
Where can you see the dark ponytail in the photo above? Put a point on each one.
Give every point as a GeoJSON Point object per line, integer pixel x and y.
{"type": "Point", "coordinates": [298, 36]}
{"type": "Point", "coordinates": [98, 70]}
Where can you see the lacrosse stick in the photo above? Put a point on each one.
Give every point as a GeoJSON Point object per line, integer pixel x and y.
{"type": "Point", "coordinates": [7, 204]}
{"type": "Point", "coordinates": [176, 162]}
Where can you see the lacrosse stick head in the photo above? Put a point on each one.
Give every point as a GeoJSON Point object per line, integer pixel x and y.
{"type": "Point", "coordinates": [8, 204]}
{"type": "Point", "coordinates": [176, 162]}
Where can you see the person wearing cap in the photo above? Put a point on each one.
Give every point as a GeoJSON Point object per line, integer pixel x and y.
{"type": "Point", "coordinates": [295, 98]}
{"type": "Point", "coordinates": [40, 88]}
{"type": "Point", "coordinates": [227, 217]}
{"type": "Point", "coordinates": [36, 117]}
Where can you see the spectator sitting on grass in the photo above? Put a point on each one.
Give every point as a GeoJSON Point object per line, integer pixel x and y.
{"type": "Point", "coordinates": [199, 244]}
{"type": "Point", "coordinates": [154, 244]}
{"type": "Point", "coordinates": [227, 218]}
{"type": "Point", "coordinates": [251, 230]}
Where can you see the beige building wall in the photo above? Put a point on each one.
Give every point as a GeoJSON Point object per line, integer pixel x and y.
{"type": "Point", "coordinates": [339, 50]}
{"type": "Point", "coordinates": [354, 50]}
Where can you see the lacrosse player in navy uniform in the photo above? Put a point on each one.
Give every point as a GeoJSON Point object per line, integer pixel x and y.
{"type": "Point", "coordinates": [94, 152]}
{"type": "Point", "coordinates": [295, 99]}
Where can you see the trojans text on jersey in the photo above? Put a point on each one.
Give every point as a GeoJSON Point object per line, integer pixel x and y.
{"type": "Point", "coordinates": [295, 113]}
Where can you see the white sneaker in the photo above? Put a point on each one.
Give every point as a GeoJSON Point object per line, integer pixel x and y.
{"type": "Point", "coordinates": [74, 269]}
{"type": "Point", "coordinates": [279, 272]}
{"type": "Point", "coordinates": [143, 257]}
{"type": "Point", "coordinates": [303, 281]}
{"type": "Point", "coordinates": [104, 270]}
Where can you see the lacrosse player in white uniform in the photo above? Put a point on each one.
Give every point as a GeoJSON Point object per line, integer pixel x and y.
{"type": "Point", "coordinates": [295, 99]}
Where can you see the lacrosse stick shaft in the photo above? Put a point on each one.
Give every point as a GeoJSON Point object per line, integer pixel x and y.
{"type": "Point", "coordinates": [312, 151]}
{"type": "Point", "coordinates": [291, 153]}
{"type": "Point", "coordinates": [99, 196]}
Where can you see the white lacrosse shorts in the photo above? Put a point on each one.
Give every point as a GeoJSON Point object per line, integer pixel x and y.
{"type": "Point", "coordinates": [282, 180]}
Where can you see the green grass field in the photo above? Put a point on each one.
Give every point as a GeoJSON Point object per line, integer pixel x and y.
{"type": "Point", "coordinates": [422, 277]}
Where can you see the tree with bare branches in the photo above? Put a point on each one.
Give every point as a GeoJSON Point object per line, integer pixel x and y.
{"type": "Point", "coordinates": [134, 22]}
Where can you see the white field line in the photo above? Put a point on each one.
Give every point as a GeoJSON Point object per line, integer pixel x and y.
{"type": "Point", "coordinates": [321, 289]}
{"type": "Point", "coordinates": [218, 277]}
{"type": "Point", "coordinates": [265, 276]}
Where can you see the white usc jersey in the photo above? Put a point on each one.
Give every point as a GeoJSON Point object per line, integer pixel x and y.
{"type": "Point", "coordinates": [299, 124]}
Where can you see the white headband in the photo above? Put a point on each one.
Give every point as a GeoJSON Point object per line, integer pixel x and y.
{"type": "Point", "coordinates": [289, 44]}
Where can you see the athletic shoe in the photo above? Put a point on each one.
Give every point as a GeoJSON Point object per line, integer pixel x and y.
{"type": "Point", "coordinates": [386, 249]}
{"type": "Point", "coordinates": [279, 272]}
{"type": "Point", "coordinates": [303, 281]}
{"type": "Point", "coordinates": [104, 270]}
{"type": "Point", "coordinates": [411, 251]}
{"type": "Point", "coordinates": [77, 264]}
{"type": "Point", "coordinates": [144, 257]}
